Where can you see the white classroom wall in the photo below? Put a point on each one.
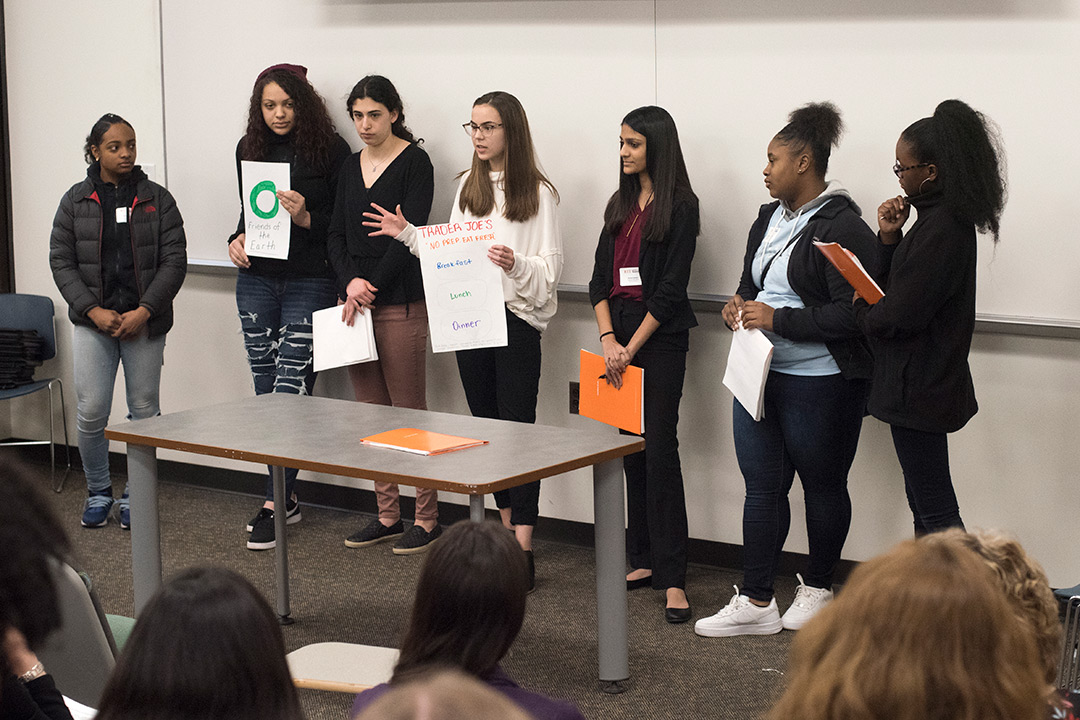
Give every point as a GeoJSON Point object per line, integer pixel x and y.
{"type": "Point", "coordinates": [1015, 464]}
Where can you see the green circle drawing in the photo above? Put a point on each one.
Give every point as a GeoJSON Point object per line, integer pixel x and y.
{"type": "Point", "coordinates": [264, 186]}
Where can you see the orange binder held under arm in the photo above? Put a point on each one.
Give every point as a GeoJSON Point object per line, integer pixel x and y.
{"type": "Point", "coordinates": [849, 266]}
{"type": "Point", "coordinates": [624, 408]}
{"type": "Point", "coordinates": [420, 442]}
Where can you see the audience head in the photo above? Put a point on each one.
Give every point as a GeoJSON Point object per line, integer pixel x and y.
{"type": "Point", "coordinates": [207, 646]}
{"type": "Point", "coordinates": [1026, 588]}
{"type": "Point", "coordinates": [956, 150]}
{"type": "Point", "coordinates": [798, 155]}
{"type": "Point", "coordinates": [444, 695]}
{"type": "Point", "coordinates": [284, 103]}
{"type": "Point", "coordinates": [921, 632]}
{"type": "Point", "coordinates": [379, 90]}
{"type": "Point", "coordinates": [652, 129]}
{"type": "Point", "coordinates": [469, 605]}
{"type": "Point", "coordinates": [32, 540]}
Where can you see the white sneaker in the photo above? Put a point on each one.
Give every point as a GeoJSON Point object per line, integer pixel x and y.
{"type": "Point", "coordinates": [741, 617]}
{"type": "Point", "coordinates": [808, 602]}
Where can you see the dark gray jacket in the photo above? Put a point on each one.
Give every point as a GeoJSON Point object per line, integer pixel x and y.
{"type": "Point", "coordinates": [158, 243]}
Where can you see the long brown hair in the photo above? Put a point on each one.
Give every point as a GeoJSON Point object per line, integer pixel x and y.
{"type": "Point", "coordinates": [470, 602]}
{"type": "Point", "coordinates": [313, 132]}
{"type": "Point", "coordinates": [522, 177]}
{"type": "Point", "coordinates": [920, 633]}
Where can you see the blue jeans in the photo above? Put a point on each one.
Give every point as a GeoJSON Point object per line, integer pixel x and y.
{"type": "Point", "coordinates": [924, 457]}
{"type": "Point", "coordinates": [96, 358]}
{"type": "Point", "coordinates": [275, 316]}
{"type": "Point", "coordinates": [811, 426]}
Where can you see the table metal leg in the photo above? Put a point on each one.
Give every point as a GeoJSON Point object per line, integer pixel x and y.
{"type": "Point", "coordinates": [611, 605]}
{"type": "Point", "coordinates": [476, 508]}
{"type": "Point", "coordinates": [145, 532]}
{"type": "Point", "coordinates": [281, 550]}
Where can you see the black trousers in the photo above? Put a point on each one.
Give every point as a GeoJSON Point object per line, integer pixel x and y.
{"type": "Point", "coordinates": [656, 529]}
{"type": "Point", "coordinates": [502, 383]}
{"type": "Point", "coordinates": [924, 458]}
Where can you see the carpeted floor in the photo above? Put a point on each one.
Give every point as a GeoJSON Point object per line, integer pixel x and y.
{"type": "Point", "coordinates": [363, 596]}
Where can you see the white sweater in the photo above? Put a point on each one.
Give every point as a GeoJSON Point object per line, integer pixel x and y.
{"type": "Point", "coordinates": [529, 288]}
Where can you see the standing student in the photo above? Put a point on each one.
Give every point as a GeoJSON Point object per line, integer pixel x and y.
{"type": "Point", "coordinates": [815, 393]}
{"type": "Point", "coordinates": [638, 292]}
{"type": "Point", "coordinates": [950, 167]}
{"type": "Point", "coordinates": [287, 122]}
{"type": "Point", "coordinates": [118, 255]}
{"type": "Point", "coordinates": [380, 276]}
{"type": "Point", "coordinates": [506, 185]}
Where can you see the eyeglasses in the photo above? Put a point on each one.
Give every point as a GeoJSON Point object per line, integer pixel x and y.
{"type": "Point", "coordinates": [481, 131]}
{"type": "Point", "coordinates": [900, 169]}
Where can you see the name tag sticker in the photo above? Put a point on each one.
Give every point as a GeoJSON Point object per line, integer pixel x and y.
{"type": "Point", "coordinates": [121, 215]}
{"type": "Point", "coordinates": [629, 276]}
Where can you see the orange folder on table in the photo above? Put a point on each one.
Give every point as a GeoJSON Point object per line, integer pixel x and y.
{"type": "Point", "coordinates": [420, 442]}
{"type": "Point", "coordinates": [624, 408]}
{"type": "Point", "coordinates": [849, 266]}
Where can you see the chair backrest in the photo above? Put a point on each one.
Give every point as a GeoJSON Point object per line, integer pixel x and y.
{"type": "Point", "coordinates": [19, 311]}
{"type": "Point", "coordinates": [81, 654]}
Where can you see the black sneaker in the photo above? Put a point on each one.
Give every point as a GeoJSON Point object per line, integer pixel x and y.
{"type": "Point", "coordinates": [262, 534]}
{"type": "Point", "coordinates": [374, 532]}
{"type": "Point", "coordinates": [292, 514]}
{"type": "Point", "coordinates": [416, 540]}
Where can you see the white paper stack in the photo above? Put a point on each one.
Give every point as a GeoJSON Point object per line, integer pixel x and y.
{"type": "Point", "coordinates": [747, 369]}
{"type": "Point", "coordinates": [337, 344]}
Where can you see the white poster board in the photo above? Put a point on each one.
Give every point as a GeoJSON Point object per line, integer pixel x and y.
{"type": "Point", "coordinates": [267, 224]}
{"type": "Point", "coordinates": [463, 287]}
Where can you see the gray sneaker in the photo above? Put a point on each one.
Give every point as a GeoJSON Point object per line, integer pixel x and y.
{"type": "Point", "coordinates": [417, 540]}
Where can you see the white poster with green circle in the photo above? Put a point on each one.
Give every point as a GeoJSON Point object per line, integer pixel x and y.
{"type": "Point", "coordinates": [267, 223]}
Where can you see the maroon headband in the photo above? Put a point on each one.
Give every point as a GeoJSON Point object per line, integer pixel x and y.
{"type": "Point", "coordinates": [299, 71]}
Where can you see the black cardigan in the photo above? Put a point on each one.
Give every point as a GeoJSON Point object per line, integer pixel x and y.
{"type": "Point", "coordinates": [307, 246]}
{"type": "Point", "coordinates": [828, 316]}
{"type": "Point", "coordinates": [409, 180]}
{"type": "Point", "coordinates": [665, 269]}
{"type": "Point", "coordinates": [921, 330]}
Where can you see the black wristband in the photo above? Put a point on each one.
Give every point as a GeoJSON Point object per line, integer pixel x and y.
{"type": "Point", "coordinates": [609, 332]}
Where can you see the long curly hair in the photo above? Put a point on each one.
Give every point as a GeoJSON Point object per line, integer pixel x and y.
{"type": "Point", "coordinates": [966, 148]}
{"type": "Point", "coordinates": [33, 539]}
{"type": "Point", "coordinates": [1025, 584]}
{"type": "Point", "coordinates": [920, 633]}
{"type": "Point", "coordinates": [313, 131]}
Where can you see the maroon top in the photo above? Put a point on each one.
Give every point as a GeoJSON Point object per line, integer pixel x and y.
{"type": "Point", "coordinates": [628, 252]}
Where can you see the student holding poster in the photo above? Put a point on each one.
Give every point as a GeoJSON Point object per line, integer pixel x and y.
{"type": "Point", "coordinates": [380, 276]}
{"type": "Point", "coordinates": [287, 123]}
{"type": "Point", "coordinates": [951, 168]}
{"type": "Point", "coordinates": [118, 254]}
{"type": "Point", "coordinates": [815, 392]}
{"type": "Point", "coordinates": [506, 185]}
{"type": "Point", "coordinates": [638, 292]}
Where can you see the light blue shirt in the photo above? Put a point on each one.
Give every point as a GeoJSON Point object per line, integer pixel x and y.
{"type": "Point", "coordinates": [789, 357]}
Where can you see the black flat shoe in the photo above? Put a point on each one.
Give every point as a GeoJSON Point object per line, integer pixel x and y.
{"type": "Point", "coordinates": [677, 615]}
{"type": "Point", "coordinates": [639, 583]}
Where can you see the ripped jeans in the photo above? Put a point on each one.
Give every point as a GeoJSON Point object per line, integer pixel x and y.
{"type": "Point", "coordinates": [275, 317]}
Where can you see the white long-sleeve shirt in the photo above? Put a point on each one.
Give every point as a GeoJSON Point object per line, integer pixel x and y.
{"type": "Point", "coordinates": [529, 288]}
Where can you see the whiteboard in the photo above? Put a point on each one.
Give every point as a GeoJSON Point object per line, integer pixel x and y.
{"type": "Point", "coordinates": [728, 71]}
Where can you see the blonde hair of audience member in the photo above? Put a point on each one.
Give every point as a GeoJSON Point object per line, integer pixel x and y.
{"type": "Point", "coordinates": [444, 695]}
{"type": "Point", "coordinates": [922, 632]}
{"type": "Point", "coordinates": [1025, 584]}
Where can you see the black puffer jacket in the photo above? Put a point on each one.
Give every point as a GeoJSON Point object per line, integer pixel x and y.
{"type": "Point", "coordinates": [157, 240]}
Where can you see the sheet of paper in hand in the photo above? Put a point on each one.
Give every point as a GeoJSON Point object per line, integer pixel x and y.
{"type": "Point", "coordinates": [267, 225]}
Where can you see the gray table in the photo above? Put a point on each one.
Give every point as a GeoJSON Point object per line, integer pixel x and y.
{"type": "Point", "coordinates": [323, 435]}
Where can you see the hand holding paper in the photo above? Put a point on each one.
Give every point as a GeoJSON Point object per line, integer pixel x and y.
{"type": "Point", "coordinates": [336, 344]}
{"type": "Point", "coordinates": [748, 369]}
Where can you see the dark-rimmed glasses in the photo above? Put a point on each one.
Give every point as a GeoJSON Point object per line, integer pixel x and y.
{"type": "Point", "coordinates": [900, 169]}
{"type": "Point", "coordinates": [481, 131]}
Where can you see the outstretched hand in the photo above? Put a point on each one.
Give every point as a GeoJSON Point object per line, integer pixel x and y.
{"type": "Point", "coordinates": [385, 222]}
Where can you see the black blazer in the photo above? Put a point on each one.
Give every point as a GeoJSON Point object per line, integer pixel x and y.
{"type": "Point", "coordinates": [665, 269]}
{"type": "Point", "coordinates": [921, 330]}
{"type": "Point", "coordinates": [828, 316]}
